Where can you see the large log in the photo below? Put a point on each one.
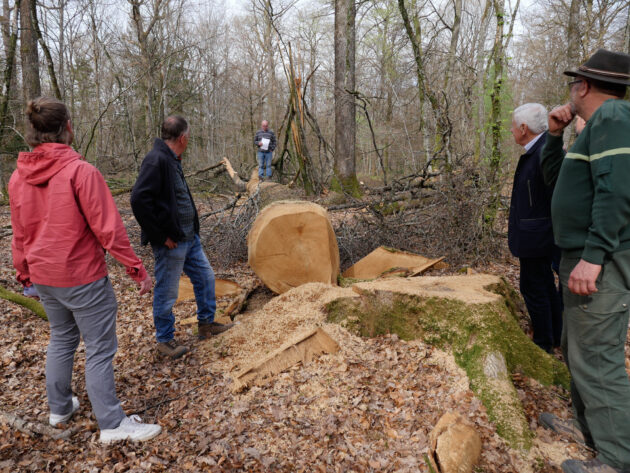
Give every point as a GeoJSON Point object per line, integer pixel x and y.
{"type": "Point", "coordinates": [293, 243]}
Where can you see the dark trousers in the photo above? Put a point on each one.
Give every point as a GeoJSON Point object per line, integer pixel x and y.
{"type": "Point", "coordinates": [543, 301]}
{"type": "Point", "coordinates": [593, 343]}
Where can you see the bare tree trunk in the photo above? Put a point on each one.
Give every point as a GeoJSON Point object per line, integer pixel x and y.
{"type": "Point", "coordinates": [415, 40]}
{"type": "Point", "coordinates": [271, 65]}
{"type": "Point", "coordinates": [452, 50]}
{"type": "Point", "coordinates": [626, 36]}
{"type": "Point", "coordinates": [31, 86]}
{"type": "Point", "coordinates": [498, 61]}
{"type": "Point", "coordinates": [62, 47]}
{"type": "Point", "coordinates": [42, 43]}
{"type": "Point", "coordinates": [480, 69]}
{"type": "Point", "coordinates": [154, 108]}
{"type": "Point", "coordinates": [8, 24]}
{"type": "Point", "coordinates": [345, 119]}
{"type": "Point", "coordinates": [11, 46]}
{"type": "Point", "coordinates": [573, 34]}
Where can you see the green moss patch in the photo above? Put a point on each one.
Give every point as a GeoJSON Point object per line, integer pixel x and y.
{"type": "Point", "coordinates": [472, 332]}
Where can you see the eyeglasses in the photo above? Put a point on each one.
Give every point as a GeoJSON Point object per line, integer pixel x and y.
{"type": "Point", "coordinates": [570, 84]}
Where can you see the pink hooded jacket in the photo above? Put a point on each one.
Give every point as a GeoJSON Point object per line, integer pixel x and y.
{"type": "Point", "coordinates": [63, 216]}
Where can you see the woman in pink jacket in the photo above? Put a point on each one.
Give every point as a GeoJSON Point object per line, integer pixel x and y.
{"type": "Point", "coordinates": [64, 219]}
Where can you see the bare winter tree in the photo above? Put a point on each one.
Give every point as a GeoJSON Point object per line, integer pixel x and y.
{"type": "Point", "coordinates": [345, 121]}
{"type": "Point", "coordinates": [31, 85]}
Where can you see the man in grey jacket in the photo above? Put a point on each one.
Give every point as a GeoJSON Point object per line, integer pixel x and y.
{"type": "Point", "coordinates": [265, 141]}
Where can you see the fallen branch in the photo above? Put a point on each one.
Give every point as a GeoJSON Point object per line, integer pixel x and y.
{"type": "Point", "coordinates": [34, 428]}
{"type": "Point", "coordinates": [125, 190]}
{"type": "Point", "coordinates": [30, 304]}
{"type": "Point", "coordinates": [209, 168]}
{"type": "Point", "coordinates": [228, 206]}
{"type": "Point", "coordinates": [237, 304]}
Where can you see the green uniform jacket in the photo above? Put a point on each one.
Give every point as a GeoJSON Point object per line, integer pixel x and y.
{"type": "Point", "coordinates": [590, 208]}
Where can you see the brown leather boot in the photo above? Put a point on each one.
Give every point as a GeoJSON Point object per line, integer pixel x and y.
{"type": "Point", "coordinates": [213, 328]}
{"type": "Point", "coordinates": [172, 349]}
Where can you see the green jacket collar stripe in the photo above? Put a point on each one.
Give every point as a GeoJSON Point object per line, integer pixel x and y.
{"type": "Point", "coordinates": [594, 157]}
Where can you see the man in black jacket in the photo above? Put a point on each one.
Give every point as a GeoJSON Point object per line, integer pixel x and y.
{"type": "Point", "coordinates": [530, 235]}
{"type": "Point", "coordinates": [166, 212]}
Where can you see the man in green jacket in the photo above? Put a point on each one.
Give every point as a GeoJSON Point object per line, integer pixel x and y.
{"type": "Point", "coordinates": [590, 211]}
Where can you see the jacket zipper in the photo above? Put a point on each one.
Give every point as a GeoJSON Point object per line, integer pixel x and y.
{"type": "Point", "coordinates": [529, 191]}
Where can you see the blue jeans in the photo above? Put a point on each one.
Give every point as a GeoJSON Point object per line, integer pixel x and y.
{"type": "Point", "coordinates": [189, 257]}
{"type": "Point", "coordinates": [264, 161]}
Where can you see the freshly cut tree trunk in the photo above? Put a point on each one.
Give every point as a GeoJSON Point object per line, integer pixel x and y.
{"type": "Point", "coordinates": [292, 243]}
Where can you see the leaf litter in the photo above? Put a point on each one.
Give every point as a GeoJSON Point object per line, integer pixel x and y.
{"type": "Point", "coordinates": [369, 407]}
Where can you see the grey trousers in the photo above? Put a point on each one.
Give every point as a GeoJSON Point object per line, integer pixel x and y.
{"type": "Point", "coordinates": [87, 311]}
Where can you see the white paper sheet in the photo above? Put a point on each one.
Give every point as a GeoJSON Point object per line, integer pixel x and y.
{"type": "Point", "coordinates": [265, 144]}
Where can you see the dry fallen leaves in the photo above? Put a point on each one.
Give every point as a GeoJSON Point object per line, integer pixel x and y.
{"type": "Point", "coordinates": [368, 408]}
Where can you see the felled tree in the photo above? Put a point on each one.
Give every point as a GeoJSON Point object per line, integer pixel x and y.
{"type": "Point", "coordinates": [292, 243]}
{"type": "Point", "coordinates": [266, 191]}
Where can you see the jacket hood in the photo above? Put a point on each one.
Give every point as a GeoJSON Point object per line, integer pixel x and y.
{"type": "Point", "coordinates": [40, 165]}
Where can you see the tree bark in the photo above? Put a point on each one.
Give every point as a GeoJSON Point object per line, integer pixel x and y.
{"type": "Point", "coordinates": [42, 43]}
{"type": "Point", "coordinates": [11, 46]}
{"type": "Point", "coordinates": [573, 34]}
{"type": "Point", "coordinates": [626, 36]}
{"type": "Point", "coordinates": [345, 108]}
{"type": "Point", "coordinates": [481, 73]}
{"type": "Point", "coordinates": [31, 86]}
{"type": "Point", "coordinates": [498, 60]}
{"type": "Point", "coordinates": [452, 50]}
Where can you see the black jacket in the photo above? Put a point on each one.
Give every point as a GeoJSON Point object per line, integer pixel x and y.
{"type": "Point", "coordinates": [530, 234]}
{"type": "Point", "coordinates": [153, 198]}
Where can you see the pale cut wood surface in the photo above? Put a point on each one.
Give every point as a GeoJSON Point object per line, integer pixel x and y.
{"type": "Point", "coordinates": [293, 243]}
{"type": "Point", "coordinates": [384, 261]}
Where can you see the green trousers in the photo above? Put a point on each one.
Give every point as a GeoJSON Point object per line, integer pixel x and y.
{"type": "Point", "coordinates": [593, 341]}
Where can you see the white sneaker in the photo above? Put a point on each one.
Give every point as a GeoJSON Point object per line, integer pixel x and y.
{"type": "Point", "coordinates": [131, 428]}
{"type": "Point", "coordinates": [55, 419]}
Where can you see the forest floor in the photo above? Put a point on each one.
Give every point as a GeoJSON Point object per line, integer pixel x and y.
{"type": "Point", "coordinates": [369, 407]}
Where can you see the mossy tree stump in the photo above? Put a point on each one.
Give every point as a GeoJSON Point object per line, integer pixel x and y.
{"type": "Point", "coordinates": [474, 317]}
